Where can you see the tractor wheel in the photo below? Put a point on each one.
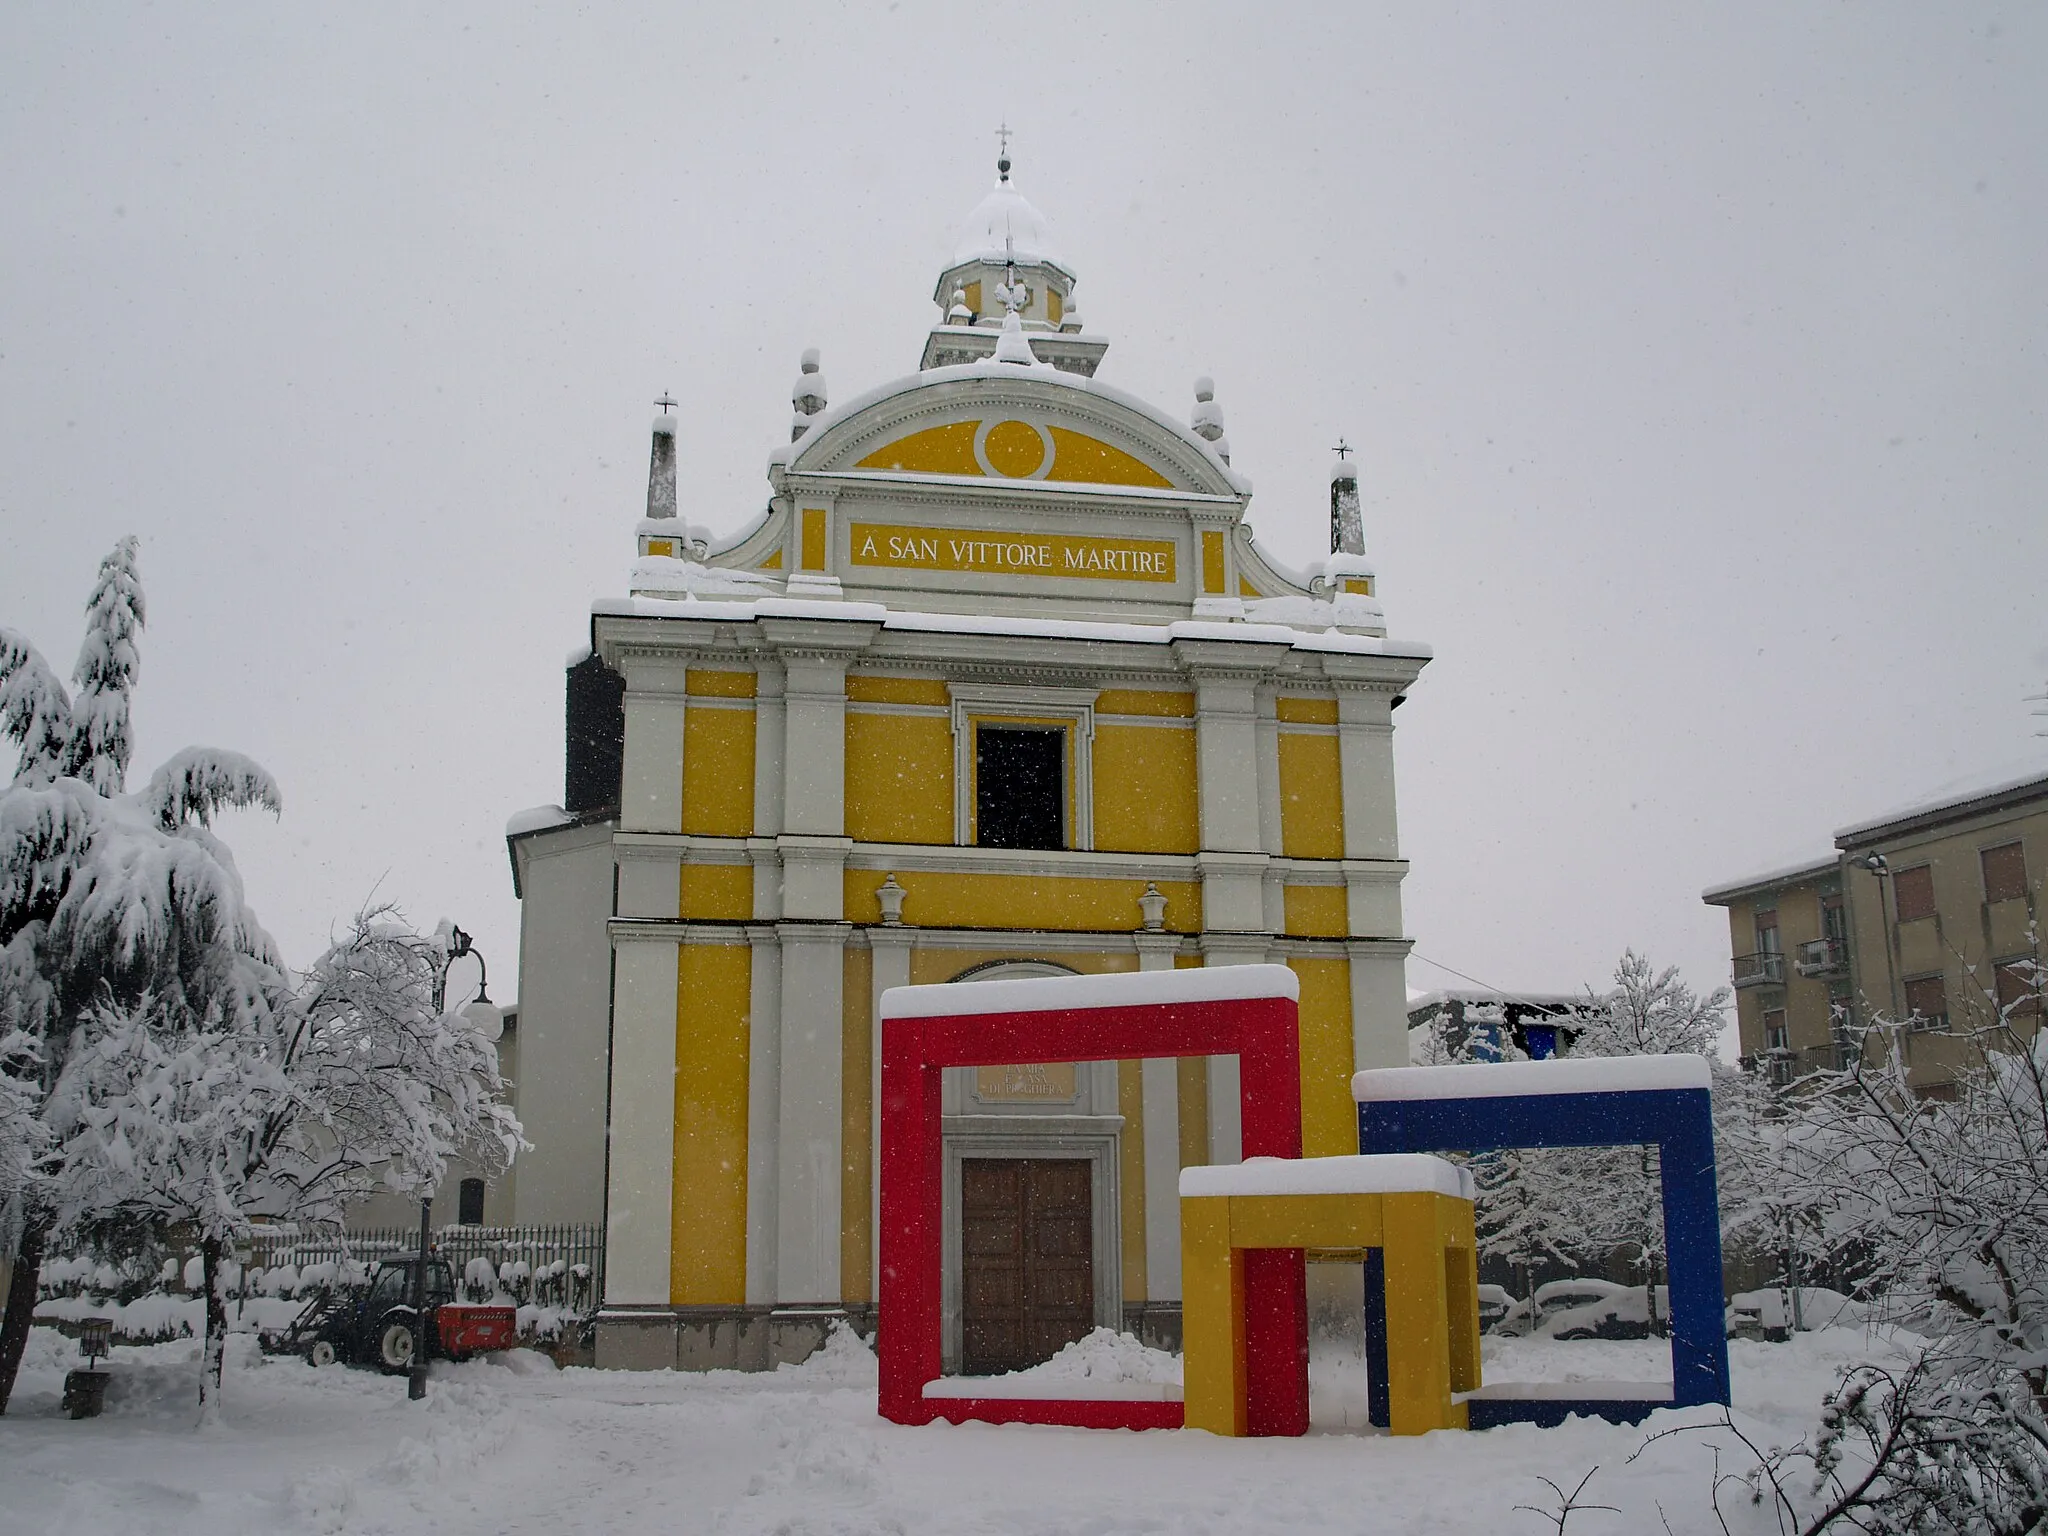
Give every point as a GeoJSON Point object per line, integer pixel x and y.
{"type": "Point", "coordinates": [319, 1353]}
{"type": "Point", "coordinates": [395, 1344]}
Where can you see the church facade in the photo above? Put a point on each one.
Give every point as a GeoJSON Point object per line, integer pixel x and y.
{"type": "Point", "coordinates": [1000, 684]}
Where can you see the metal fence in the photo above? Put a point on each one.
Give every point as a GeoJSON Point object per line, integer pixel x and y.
{"type": "Point", "coordinates": [550, 1265]}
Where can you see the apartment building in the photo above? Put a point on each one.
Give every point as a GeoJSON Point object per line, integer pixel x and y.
{"type": "Point", "coordinates": [1925, 913]}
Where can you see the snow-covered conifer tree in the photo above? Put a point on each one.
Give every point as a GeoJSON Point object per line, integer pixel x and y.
{"type": "Point", "coordinates": [108, 897]}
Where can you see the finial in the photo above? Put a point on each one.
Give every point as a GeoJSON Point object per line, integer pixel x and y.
{"type": "Point", "coordinates": [665, 403]}
{"type": "Point", "coordinates": [1343, 450]}
{"type": "Point", "coordinates": [1013, 295]}
{"type": "Point", "coordinates": [1003, 151]}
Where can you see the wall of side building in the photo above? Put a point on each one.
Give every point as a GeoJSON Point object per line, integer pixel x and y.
{"type": "Point", "coordinates": [1931, 936]}
{"type": "Point", "coordinates": [565, 1021]}
{"type": "Point", "coordinates": [1784, 992]}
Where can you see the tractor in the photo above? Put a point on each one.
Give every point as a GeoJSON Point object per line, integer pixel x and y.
{"type": "Point", "coordinates": [376, 1325]}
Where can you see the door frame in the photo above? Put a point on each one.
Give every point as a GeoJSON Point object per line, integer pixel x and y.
{"type": "Point", "coordinates": [1094, 1137]}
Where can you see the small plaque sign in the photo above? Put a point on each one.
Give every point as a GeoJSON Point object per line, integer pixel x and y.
{"type": "Point", "coordinates": [1026, 1084]}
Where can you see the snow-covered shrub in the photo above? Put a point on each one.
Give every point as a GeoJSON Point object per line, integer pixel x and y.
{"type": "Point", "coordinates": [480, 1279]}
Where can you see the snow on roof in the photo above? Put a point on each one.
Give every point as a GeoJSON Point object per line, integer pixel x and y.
{"type": "Point", "coordinates": [1008, 214]}
{"type": "Point", "coordinates": [987, 368]}
{"type": "Point", "coordinates": [537, 818]}
{"type": "Point", "coordinates": [741, 611]}
{"type": "Point", "coordinates": [1513, 1079]}
{"type": "Point", "coordinates": [1956, 795]}
{"type": "Point", "coordinates": [1126, 989]}
{"type": "Point", "coordinates": [1385, 1173]}
{"type": "Point", "coordinates": [1780, 874]}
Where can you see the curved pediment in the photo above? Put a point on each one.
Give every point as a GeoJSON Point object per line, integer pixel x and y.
{"type": "Point", "coordinates": [1044, 428]}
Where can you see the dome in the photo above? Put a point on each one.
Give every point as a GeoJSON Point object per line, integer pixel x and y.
{"type": "Point", "coordinates": [1005, 212]}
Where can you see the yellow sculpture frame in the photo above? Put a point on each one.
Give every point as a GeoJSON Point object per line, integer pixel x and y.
{"type": "Point", "coordinates": [1432, 1266]}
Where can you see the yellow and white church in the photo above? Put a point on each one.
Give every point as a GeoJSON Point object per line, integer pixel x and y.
{"type": "Point", "coordinates": [1000, 684]}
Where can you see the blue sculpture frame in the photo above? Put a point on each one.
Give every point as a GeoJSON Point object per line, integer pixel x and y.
{"type": "Point", "coordinates": [1679, 1122]}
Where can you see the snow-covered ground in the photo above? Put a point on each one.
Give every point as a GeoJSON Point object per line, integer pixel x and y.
{"type": "Point", "coordinates": [513, 1445]}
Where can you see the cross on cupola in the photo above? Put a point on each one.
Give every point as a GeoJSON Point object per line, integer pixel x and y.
{"type": "Point", "coordinates": [1343, 450]}
{"type": "Point", "coordinates": [1003, 151]}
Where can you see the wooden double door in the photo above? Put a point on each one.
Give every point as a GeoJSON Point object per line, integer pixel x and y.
{"type": "Point", "coordinates": [1027, 1281]}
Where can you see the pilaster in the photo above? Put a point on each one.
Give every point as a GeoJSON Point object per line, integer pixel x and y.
{"type": "Point", "coordinates": [1365, 746]}
{"type": "Point", "coordinates": [764, 1112]}
{"type": "Point", "coordinates": [890, 946]}
{"type": "Point", "coordinates": [1379, 1002]}
{"type": "Point", "coordinates": [1160, 1086]}
{"type": "Point", "coordinates": [768, 749]}
{"type": "Point", "coordinates": [1226, 1110]}
{"type": "Point", "coordinates": [809, 1113]}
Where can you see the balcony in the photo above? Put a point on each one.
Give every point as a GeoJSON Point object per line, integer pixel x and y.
{"type": "Point", "coordinates": [1827, 959]}
{"type": "Point", "coordinates": [1766, 969]}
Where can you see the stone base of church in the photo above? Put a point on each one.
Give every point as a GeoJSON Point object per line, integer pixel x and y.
{"type": "Point", "coordinates": [718, 1338]}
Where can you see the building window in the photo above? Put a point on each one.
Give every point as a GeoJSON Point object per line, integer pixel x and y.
{"type": "Point", "coordinates": [1927, 1003]}
{"type": "Point", "coordinates": [1913, 892]}
{"type": "Point", "coordinates": [469, 1203]}
{"type": "Point", "coordinates": [1020, 786]}
{"type": "Point", "coordinates": [2019, 989]}
{"type": "Point", "coordinates": [1767, 931]}
{"type": "Point", "coordinates": [2005, 872]}
{"type": "Point", "coordinates": [1776, 1036]}
{"type": "Point", "coordinates": [1834, 922]}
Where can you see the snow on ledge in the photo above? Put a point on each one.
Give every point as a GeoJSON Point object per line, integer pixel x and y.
{"type": "Point", "coordinates": [536, 819]}
{"type": "Point", "coordinates": [1569, 1392]}
{"type": "Point", "coordinates": [1127, 989]}
{"type": "Point", "coordinates": [1507, 1079]}
{"type": "Point", "coordinates": [1027, 1388]}
{"type": "Point", "coordinates": [1386, 1173]}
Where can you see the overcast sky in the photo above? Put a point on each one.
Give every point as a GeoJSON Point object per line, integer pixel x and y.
{"type": "Point", "coordinates": [1697, 356]}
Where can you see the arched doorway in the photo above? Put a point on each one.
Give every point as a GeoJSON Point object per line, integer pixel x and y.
{"type": "Point", "coordinates": [1032, 1256]}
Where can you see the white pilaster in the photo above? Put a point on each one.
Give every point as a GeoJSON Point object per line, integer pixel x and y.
{"type": "Point", "coordinates": [768, 746]}
{"type": "Point", "coordinates": [764, 1113]}
{"type": "Point", "coordinates": [1379, 1002]}
{"type": "Point", "coordinates": [651, 773]}
{"type": "Point", "coordinates": [650, 871]}
{"type": "Point", "coordinates": [640, 1177]}
{"type": "Point", "coordinates": [1365, 745]}
{"type": "Point", "coordinates": [809, 1113]}
{"type": "Point", "coordinates": [1226, 1107]}
{"type": "Point", "coordinates": [1160, 1083]}
{"type": "Point", "coordinates": [891, 968]}
{"type": "Point", "coordinates": [814, 744]}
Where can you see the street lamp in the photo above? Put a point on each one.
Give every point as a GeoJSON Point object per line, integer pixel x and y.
{"type": "Point", "coordinates": [488, 1020]}
{"type": "Point", "coordinates": [1881, 868]}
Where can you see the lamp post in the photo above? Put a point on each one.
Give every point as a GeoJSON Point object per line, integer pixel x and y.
{"type": "Point", "coordinates": [1881, 868]}
{"type": "Point", "coordinates": [488, 1020]}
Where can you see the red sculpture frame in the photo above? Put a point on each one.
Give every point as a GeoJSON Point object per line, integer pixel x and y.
{"type": "Point", "coordinates": [1263, 1032]}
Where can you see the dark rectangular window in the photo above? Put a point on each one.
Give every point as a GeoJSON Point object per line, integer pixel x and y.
{"type": "Point", "coordinates": [2019, 993]}
{"type": "Point", "coordinates": [1834, 924]}
{"type": "Point", "coordinates": [1767, 931]}
{"type": "Point", "coordinates": [1913, 890]}
{"type": "Point", "coordinates": [1927, 1002]}
{"type": "Point", "coordinates": [1776, 1036]}
{"type": "Point", "coordinates": [1020, 787]}
{"type": "Point", "coordinates": [2005, 872]}
{"type": "Point", "coordinates": [470, 1203]}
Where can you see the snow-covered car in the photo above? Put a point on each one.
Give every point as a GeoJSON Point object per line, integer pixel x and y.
{"type": "Point", "coordinates": [1580, 1309]}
